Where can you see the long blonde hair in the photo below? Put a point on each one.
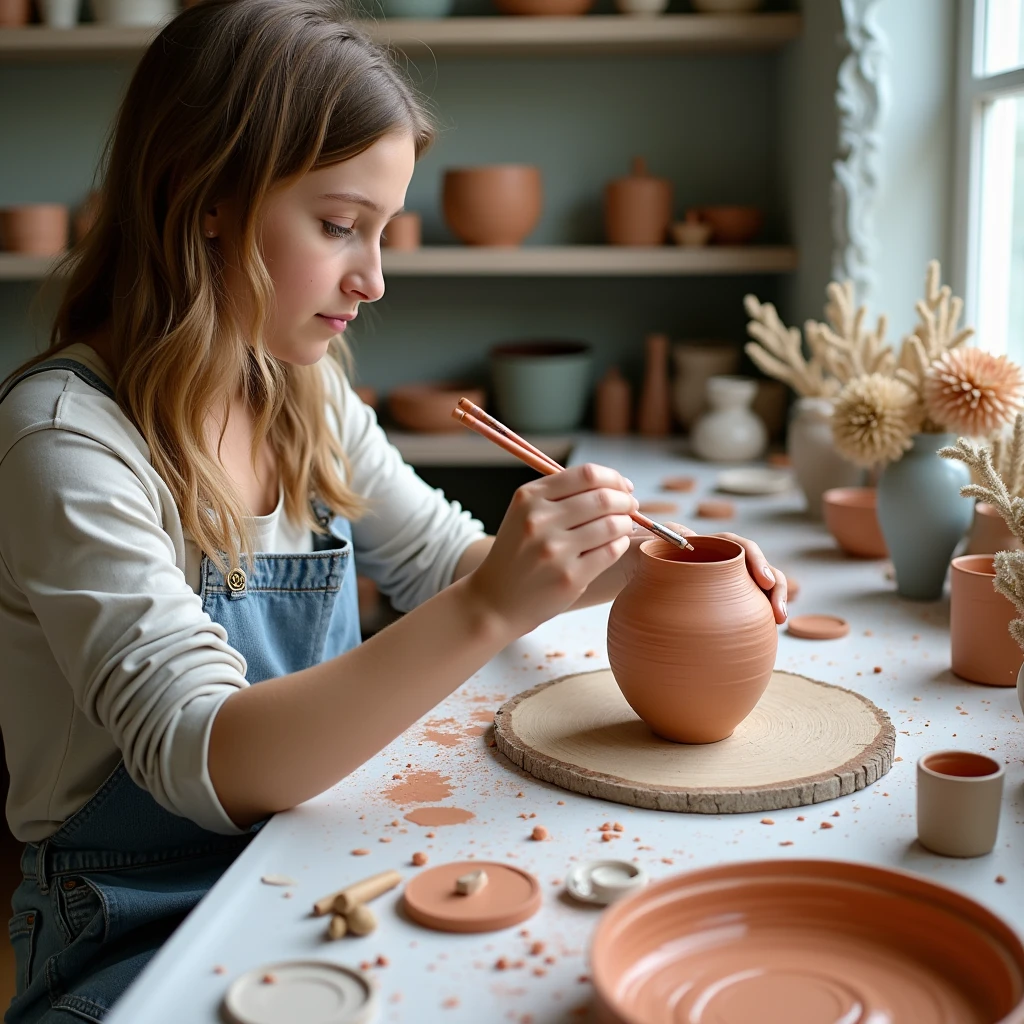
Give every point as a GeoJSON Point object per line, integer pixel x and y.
{"type": "Point", "coordinates": [232, 99]}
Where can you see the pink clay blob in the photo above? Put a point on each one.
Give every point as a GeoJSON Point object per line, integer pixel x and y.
{"type": "Point", "coordinates": [692, 639]}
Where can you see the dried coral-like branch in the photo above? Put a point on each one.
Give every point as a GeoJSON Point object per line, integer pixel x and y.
{"type": "Point", "coordinates": [972, 392]}
{"type": "Point", "coordinates": [848, 349]}
{"type": "Point", "coordinates": [1008, 457]}
{"type": "Point", "coordinates": [874, 419]}
{"type": "Point", "coordinates": [1009, 582]}
{"type": "Point", "coordinates": [777, 350]}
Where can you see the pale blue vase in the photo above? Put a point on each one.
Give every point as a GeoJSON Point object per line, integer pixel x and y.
{"type": "Point", "coordinates": [923, 516]}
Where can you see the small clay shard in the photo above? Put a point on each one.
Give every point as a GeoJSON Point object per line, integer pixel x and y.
{"type": "Point", "coordinates": [361, 852]}
{"type": "Point", "coordinates": [471, 883]}
{"type": "Point", "coordinates": [361, 920]}
{"type": "Point", "coordinates": [220, 969]}
{"type": "Point", "coordinates": [539, 833]}
{"type": "Point", "coordinates": [269, 979]}
{"type": "Point", "coordinates": [877, 670]}
{"type": "Point", "coordinates": [826, 824]}
{"type": "Point", "coordinates": [618, 826]}
{"type": "Point", "coordinates": [682, 484]}
{"type": "Point", "coordinates": [716, 509]}
{"type": "Point", "coordinates": [786, 842]}
{"type": "Point", "coordinates": [419, 859]}
{"type": "Point", "coordinates": [607, 837]}
{"type": "Point", "coordinates": [278, 880]}
{"type": "Point", "coordinates": [537, 948]}
{"type": "Point", "coordinates": [1000, 880]}
{"type": "Point", "coordinates": [767, 821]}
{"type": "Point", "coordinates": [383, 961]}
{"type": "Point", "coordinates": [501, 964]}
{"type": "Point", "coordinates": [338, 926]}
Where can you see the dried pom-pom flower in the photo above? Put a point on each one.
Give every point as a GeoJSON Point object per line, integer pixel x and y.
{"type": "Point", "coordinates": [874, 419]}
{"type": "Point", "coordinates": [973, 392]}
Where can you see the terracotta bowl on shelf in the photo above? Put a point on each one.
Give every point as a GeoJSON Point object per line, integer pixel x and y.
{"type": "Point", "coordinates": [428, 407]}
{"type": "Point", "coordinates": [809, 940]}
{"type": "Point", "coordinates": [498, 204]}
{"type": "Point", "coordinates": [35, 229]}
{"type": "Point", "coordinates": [730, 225]}
{"type": "Point", "coordinates": [852, 519]}
{"type": "Point", "coordinates": [540, 8]}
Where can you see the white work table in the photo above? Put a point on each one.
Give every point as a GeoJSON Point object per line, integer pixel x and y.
{"type": "Point", "coordinates": [433, 976]}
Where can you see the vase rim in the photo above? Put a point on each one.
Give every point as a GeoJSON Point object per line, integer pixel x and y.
{"type": "Point", "coordinates": [968, 563]}
{"type": "Point", "coordinates": [656, 550]}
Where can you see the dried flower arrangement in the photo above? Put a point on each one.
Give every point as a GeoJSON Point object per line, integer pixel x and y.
{"type": "Point", "coordinates": [1000, 491]}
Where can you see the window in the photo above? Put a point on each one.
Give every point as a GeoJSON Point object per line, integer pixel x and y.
{"type": "Point", "coordinates": [989, 229]}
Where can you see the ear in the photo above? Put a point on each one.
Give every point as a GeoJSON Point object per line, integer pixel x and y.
{"type": "Point", "coordinates": [213, 222]}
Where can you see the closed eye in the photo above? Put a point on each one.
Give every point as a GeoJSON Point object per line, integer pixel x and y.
{"type": "Point", "coordinates": [335, 230]}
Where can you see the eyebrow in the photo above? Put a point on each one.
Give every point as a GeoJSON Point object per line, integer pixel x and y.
{"type": "Point", "coordinates": [360, 200]}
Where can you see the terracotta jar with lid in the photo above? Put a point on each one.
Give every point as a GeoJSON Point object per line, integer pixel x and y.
{"type": "Point", "coordinates": [637, 208]}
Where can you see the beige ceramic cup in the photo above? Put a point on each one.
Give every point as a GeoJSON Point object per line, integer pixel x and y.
{"type": "Point", "coordinates": [959, 795]}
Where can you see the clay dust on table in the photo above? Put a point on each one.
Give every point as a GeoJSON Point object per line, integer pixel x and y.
{"type": "Point", "coordinates": [422, 787]}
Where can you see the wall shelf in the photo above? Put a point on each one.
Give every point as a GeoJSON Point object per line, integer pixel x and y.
{"type": "Point", "coordinates": [537, 261]}
{"type": "Point", "coordinates": [591, 34]}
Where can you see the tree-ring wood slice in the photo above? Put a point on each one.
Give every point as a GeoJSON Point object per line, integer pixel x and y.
{"type": "Point", "coordinates": [818, 627]}
{"type": "Point", "coordinates": [805, 742]}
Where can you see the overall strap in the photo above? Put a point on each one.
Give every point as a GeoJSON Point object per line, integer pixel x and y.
{"type": "Point", "coordinates": [78, 369]}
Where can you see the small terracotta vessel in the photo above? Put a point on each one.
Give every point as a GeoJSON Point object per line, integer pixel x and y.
{"type": "Point", "coordinates": [613, 403]}
{"type": "Point", "coordinates": [989, 532]}
{"type": "Point", "coordinates": [654, 415]}
{"type": "Point", "coordinates": [637, 208]}
{"type": "Point", "coordinates": [36, 229]}
{"type": "Point", "coordinates": [692, 639]}
{"type": "Point", "coordinates": [367, 394]}
{"type": "Point", "coordinates": [404, 232]}
{"type": "Point", "coordinates": [852, 520]}
{"type": "Point", "coordinates": [15, 13]}
{"type": "Point", "coordinates": [428, 407]}
{"type": "Point", "coordinates": [979, 617]}
{"type": "Point", "coordinates": [494, 205]}
{"type": "Point", "coordinates": [730, 225]}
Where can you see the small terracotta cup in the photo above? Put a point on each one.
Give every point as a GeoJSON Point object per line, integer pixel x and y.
{"type": "Point", "coordinates": [979, 617]}
{"type": "Point", "coordinates": [989, 532]}
{"type": "Point", "coordinates": [852, 520]}
{"type": "Point", "coordinates": [959, 796]}
{"type": "Point", "coordinates": [428, 407]}
{"type": "Point", "coordinates": [36, 229]}
{"type": "Point", "coordinates": [404, 232]}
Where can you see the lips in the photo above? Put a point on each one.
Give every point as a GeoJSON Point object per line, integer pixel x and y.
{"type": "Point", "coordinates": [338, 323]}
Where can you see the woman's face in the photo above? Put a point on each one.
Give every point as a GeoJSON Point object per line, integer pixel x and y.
{"type": "Point", "coordinates": [320, 241]}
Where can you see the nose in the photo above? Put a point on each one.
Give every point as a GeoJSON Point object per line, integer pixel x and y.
{"type": "Point", "coordinates": [365, 279]}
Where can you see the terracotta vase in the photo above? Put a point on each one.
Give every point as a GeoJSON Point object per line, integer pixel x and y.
{"type": "Point", "coordinates": [36, 229]}
{"type": "Point", "coordinates": [495, 205]}
{"type": "Point", "coordinates": [403, 232]}
{"type": "Point", "coordinates": [979, 617]}
{"type": "Point", "coordinates": [695, 364]}
{"type": "Point", "coordinates": [692, 639]}
{"type": "Point", "coordinates": [15, 13]}
{"type": "Point", "coordinates": [852, 518]}
{"type": "Point", "coordinates": [989, 532]}
{"type": "Point", "coordinates": [654, 418]}
{"type": "Point", "coordinates": [613, 403]}
{"type": "Point", "coordinates": [637, 208]}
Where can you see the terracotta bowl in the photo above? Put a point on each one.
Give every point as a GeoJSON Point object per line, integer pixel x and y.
{"type": "Point", "coordinates": [428, 407]}
{"type": "Point", "coordinates": [555, 8]}
{"type": "Point", "coordinates": [35, 229]}
{"type": "Point", "coordinates": [852, 520]}
{"type": "Point", "coordinates": [807, 940]}
{"type": "Point", "coordinates": [730, 225]}
{"type": "Point", "coordinates": [493, 205]}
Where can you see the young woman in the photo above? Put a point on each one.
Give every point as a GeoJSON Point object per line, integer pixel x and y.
{"type": "Point", "coordinates": [186, 482]}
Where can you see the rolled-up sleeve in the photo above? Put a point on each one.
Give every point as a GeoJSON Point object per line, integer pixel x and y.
{"type": "Point", "coordinates": [411, 538]}
{"type": "Point", "coordinates": [84, 542]}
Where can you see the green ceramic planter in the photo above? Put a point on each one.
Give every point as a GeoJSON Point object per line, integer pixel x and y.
{"type": "Point", "coordinates": [541, 386]}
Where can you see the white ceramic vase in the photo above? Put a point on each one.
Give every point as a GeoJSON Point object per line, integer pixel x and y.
{"type": "Point", "coordinates": [694, 365]}
{"type": "Point", "coordinates": [1020, 687]}
{"type": "Point", "coordinates": [133, 12]}
{"type": "Point", "coordinates": [818, 467]}
{"type": "Point", "coordinates": [731, 431]}
{"type": "Point", "coordinates": [59, 13]}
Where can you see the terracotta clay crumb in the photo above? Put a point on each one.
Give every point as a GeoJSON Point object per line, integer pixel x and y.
{"type": "Point", "coordinates": [606, 826]}
{"type": "Point", "coordinates": [383, 961]}
{"type": "Point", "coordinates": [897, 758]}
{"type": "Point", "coordinates": [501, 964]}
{"type": "Point", "coordinates": [419, 859]}
{"type": "Point", "coordinates": [682, 484]}
{"type": "Point", "coordinates": [607, 837]}
{"type": "Point", "coordinates": [800, 817]}
{"type": "Point", "coordinates": [877, 670]}
{"type": "Point", "coordinates": [550, 960]}
{"type": "Point", "coordinates": [826, 824]}
{"type": "Point", "coordinates": [269, 979]}
{"type": "Point", "coordinates": [338, 927]}
{"type": "Point", "coordinates": [561, 803]}
{"type": "Point", "coordinates": [360, 852]}
{"type": "Point", "coordinates": [714, 509]}
{"type": "Point", "coordinates": [539, 833]}
{"type": "Point", "coordinates": [450, 1003]}
{"type": "Point", "coordinates": [518, 964]}
{"type": "Point", "coordinates": [364, 965]}
{"type": "Point", "coordinates": [767, 821]}
{"type": "Point", "coordinates": [361, 920]}
{"type": "Point", "coordinates": [583, 979]}
{"type": "Point", "coordinates": [1000, 880]}
{"type": "Point", "coordinates": [835, 814]}
{"type": "Point", "coordinates": [524, 933]}
{"type": "Point", "coordinates": [539, 972]}
{"type": "Point", "coordinates": [520, 795]}
{"type": "Point", "coordinates": [667, 860]}
{"type": "Point", "coordinates": [220, 969]}
{"type": "Point", "coordinates": [786, 842]}
{"type": "Point", "coordinates": [618, 826]}
{"type": "Point", "coordinates": [287, 895]}
{"type": "Point", "coordinates": [430, 835]}
{"type": "Point", "coordinates": [396, 776]}
{"type": "Point", "coordinates": [471, 883]}
{"type": "Point", "coordinates": [278, 880]}
{"type": "Point", "coordinates": [384, 839]}
{"type": "Point", "coordinates": [590, 654]}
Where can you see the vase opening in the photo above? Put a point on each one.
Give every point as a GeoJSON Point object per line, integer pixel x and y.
{"type": "Point", "coordinates": [705, 550]}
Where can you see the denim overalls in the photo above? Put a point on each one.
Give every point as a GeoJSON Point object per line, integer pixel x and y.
{"type": "Point", "coordinates": [100, 895]}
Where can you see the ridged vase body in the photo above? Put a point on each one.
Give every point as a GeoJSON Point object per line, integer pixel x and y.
{"type": "Point", "coordinates": [692, 640]}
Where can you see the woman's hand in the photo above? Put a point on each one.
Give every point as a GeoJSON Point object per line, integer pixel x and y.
{"type": "Point", "coordinates": [559, 534]}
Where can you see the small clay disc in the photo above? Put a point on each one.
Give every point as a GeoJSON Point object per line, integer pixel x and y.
{"type": "Point", "coordinates": [511, 895]}
{"type": "Point", "coordinates": [818, 627]}
{"type": "Point", "coordinates": [683, 484]}
{"type": "Point", "coordinates": [658, 508]}
{"type": "Point", "coordinates": [712, 509]}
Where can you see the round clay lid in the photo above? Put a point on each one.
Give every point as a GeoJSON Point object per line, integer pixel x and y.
{"type": "Point", "coordinates": [313, 991]}
{"type": "Point", "coordinates": [818, 627]}
{"type": "Point", "coordinates": [658, 508]}
{"type": "Point", "coordinates": [511, 895]}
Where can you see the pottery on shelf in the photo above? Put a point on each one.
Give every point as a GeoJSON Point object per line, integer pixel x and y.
{"type": "Point", "coordinates": [613, 403]}
{"type": "Point", "coordinates": [691, 232]}
{"type": "Point", "coordinates": [730, 225]}
{"type": "Point", "coordinates": [403, 232]}
{"type": "Point", "coordinates": [133, 12]}
{"type": "Point", "coordinates": [817, 465]}
{"type": "Point", "coordinates": [59, 13]}
{"type": "Point", "coordinates": [654, 415]}
{"type": "Point", "coordinates": [852, 518]}
{"type": "Point", "coordinates": [923, 515]}
{"type": "Point", "coordinates": [641, 7]}
{"type": "Point", "coordinates": [367, 395]}
{"type": "Point", "coordinates": [417, 8]}
{"type": "Point", "coordinates": [638, 207]}
{"type": "Point", "coordinates": [727, 6]}
{"type": "Point", "coordinates": [804, 941]}
{"type": "Point", "coordinates": [15, 13]}
{"type": "Point", "coordinates": [428, 407]}
{"type": "Point", "coordinates": [35, 229]}
{"type": "Point", "coordinates": [730, 431]}
{"type": "Point", "coordinates": [982, 649]}
{"type": "Point", "coordinates": [540, 8]}
{"type": "Point", "coordinates": [498, 204]}
{"type": "Point", "coordinates": [989, 532]}
{"type": "Point", "coordinates": [692, 639]}
{"type": "Point", "coordinates": [541, 386]}
{"type": "Point", "coordinates": [695, 364]}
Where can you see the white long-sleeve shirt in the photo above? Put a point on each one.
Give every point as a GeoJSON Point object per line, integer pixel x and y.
{"type": "Point", "coordinates": [105, 650]}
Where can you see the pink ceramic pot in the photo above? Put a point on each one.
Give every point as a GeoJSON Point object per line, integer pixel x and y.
{"type": "Point", "coordinates": [428, 407]}
{"type": "Point", "coordinates": [36, 229]}
{"type": "Point", "coordinates": [495, 205]}
{"type": "Point", "coordinates": [852, 520]}
{"type": "Point", "coordinates": [979, 617]}
{"type": "Point", "coordinates": [692, 639]}
{"type": "Point", "coordinates": [730, 225]}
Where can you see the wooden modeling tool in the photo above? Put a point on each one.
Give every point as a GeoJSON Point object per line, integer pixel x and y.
{"type": "Point", "coordinates": [476, 419]}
